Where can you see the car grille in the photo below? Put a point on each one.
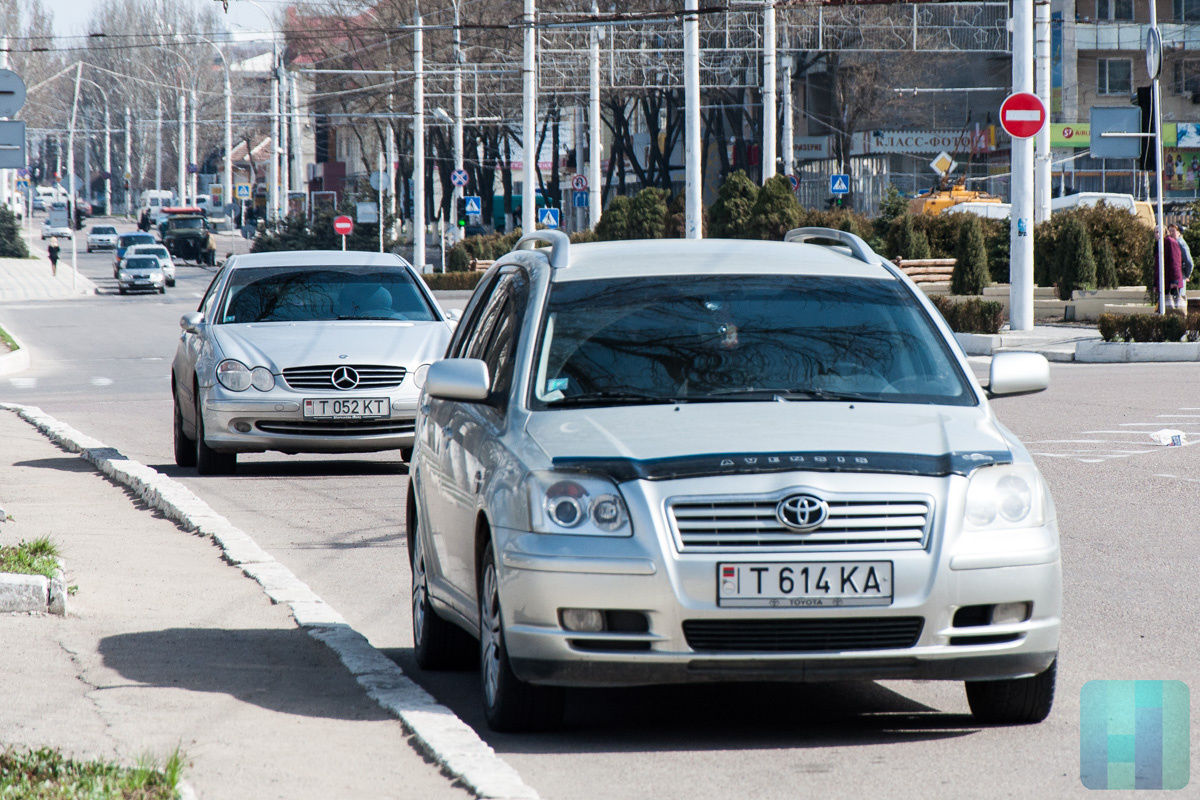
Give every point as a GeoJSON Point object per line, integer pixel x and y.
{"type": "Point", "coordinates": [731, 523]}
{"type": "Point", "coordinates": [336, 428]}
{"type": "Point", "coordinates": [370, 376]}
{"type": "Point", "coordinates": [803, 635]}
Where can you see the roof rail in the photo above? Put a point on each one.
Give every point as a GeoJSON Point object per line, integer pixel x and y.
{"type": "Point", "coordinates": [861, 250]}
{"type": "Point", "coordinates": [560, 245]}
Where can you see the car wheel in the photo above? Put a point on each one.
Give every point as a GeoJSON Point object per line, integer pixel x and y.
{"type": "Point", "coordinates": [89, 249]}
{"type": "Point", "coordinates": [509, 703]}
{"type": "Point", "coordinates": [1018, 701]}
{"type": "Point", "coordinates": [120, 290]}
{"type": "Point", "coordinates": [162, 290]}
{"type": "Point", "coordinates": [185, 448]}
{"type": "Point", "coordinates": [406, 455]}
{"type": "Point", "coordinates": [171, 282]}
{"type": "Point", "coordinates": [209, 461]}
{"type": "Point", "coordinates": [437, 644]}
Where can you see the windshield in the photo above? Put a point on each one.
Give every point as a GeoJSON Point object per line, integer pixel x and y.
{"type": "Point", "coordinates": [100, 229]}
{"type": "Point", "coordinates": [135, 238]}
{"type": "Point", "coordinates": [291, 294]}
{"type": "Point", "coordinates": [740, 337]}
{"type": "Point", "coordinates": [150, 250]}
{"type": "Point", "coordinates": [141, 263]}
{"type": "Point", "coordinates": [185, 224]}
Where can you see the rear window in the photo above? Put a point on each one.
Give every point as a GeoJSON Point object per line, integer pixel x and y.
{"type": "Point", "coordinates": [130, 239]}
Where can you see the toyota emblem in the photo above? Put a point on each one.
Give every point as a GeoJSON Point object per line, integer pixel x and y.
{"type": "Point", "coordinates": [802, 512]}
{"type": "Point", "coordinates": [344, 378]}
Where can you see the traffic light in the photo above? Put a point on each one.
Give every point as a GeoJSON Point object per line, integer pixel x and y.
{"type": "Point", "coordinates": [461, 209]}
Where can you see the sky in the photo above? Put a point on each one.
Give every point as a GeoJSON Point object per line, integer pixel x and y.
{"type": "Point", "coordinates": [70, 16]}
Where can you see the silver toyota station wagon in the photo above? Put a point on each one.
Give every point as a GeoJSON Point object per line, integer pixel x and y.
{"type": "Point", "coordinates": [649, 462]}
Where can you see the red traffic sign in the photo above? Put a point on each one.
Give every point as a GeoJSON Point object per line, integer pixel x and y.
{"type": "Point", "coordinates": [343, 225]}
{"type": "Point", "coordinates": [579, 183]}
{"type": "Point", "coordinates": [1022, 115]}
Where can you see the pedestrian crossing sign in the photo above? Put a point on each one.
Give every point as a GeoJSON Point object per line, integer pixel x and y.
{"type": "Point", "coordinates": [242, 191]}
{"type": "Point", "coordinates": [839, 183]}
{"type": "Point", "coordinates": [473, 205]}
{"type": "Point", "coordinates": [548, 217]}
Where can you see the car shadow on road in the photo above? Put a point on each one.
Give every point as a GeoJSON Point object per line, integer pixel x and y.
{"type": "Point", "coordinates": [63, 464]}
{"type": "Point", "coordinates": [295, 469]}
{"type": "Point", "coordinates": [282, 670]}
{"type": "Point", "coordinates": [707, 716]}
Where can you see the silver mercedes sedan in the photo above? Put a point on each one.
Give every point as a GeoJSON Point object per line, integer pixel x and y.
{"type": "Point", "coordinates": [309, 351]}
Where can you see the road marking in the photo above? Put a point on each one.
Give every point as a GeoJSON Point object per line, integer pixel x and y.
{"type": "Point", "coordinates": [438, 731]}
{"type": "Point", "coordinates": [23, 383]}
{"type": "Point", "coordinates": [102, 381]}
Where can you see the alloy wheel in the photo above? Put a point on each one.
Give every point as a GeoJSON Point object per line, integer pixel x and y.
{"type": "Point", "coordinates": [490, 634]}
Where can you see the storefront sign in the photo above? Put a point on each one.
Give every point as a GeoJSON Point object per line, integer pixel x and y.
{"type": "Point", "coordinates": [1070, 134]}
{"type": "Point", "coordinates": [865, 143]}
{"type": "Point", "coordinates": [812, 148]}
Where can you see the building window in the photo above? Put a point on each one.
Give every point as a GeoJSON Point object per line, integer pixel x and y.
{"type": "Point", "coordinates": [1122, 10]}
{"type": "Point", "coordinates": [1186, 77]}
{"type": "Point", "coordinates": [1114, 76]}
{"type": "Point", "coordinates": [1187, 10]}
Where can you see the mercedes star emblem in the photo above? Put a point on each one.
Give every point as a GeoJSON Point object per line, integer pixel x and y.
{"type": "Point", "coordinates": [802, 512]}
{"type": "Point", "coordinates": [344, 378]}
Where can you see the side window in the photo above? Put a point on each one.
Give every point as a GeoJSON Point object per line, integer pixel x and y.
{"type": "Point", "coordinates": [471, 319]}
{"type": "Point", "coordinates": [500, 354]}
{"type": "Point", "coordinates": [206, 303]}
{"type": "Point", "coordinates": [477, 343]}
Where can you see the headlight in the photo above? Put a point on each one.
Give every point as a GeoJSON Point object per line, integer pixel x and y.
{"type": "Point", "coordinates": [583, 505]}
{"type": "Point", "coordinates": [262, 379]}
{"type": "Point", "coordinates": [1006, 496]}
{"type": "Point", "coordinates": [234, 375]}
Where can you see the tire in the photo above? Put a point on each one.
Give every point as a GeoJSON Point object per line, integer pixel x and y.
{"type": "Point", "coordinates": [406, 454]}
{"type": "Point", "coordinates": [509, 703]}
{"type": "Point", "coordinates": [437, 644]}
{"type": "Point", "coordinates": [171, 282]}
{"type": "Point", "coordinates": [120, 290]}
{"type": "Point", "coordinates": [185, 448]}
{"type": "Point", "coordinates": [162, 290]}
{"type": "Point", "coordinates": [209, 461]}
{"type": "Point", "coordinates": [1018, 701]}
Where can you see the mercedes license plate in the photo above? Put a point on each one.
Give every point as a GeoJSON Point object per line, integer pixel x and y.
{"type": "Point", "coordinates": [345, 408]}
{"type": "Point", "coordinates": [804, 584]}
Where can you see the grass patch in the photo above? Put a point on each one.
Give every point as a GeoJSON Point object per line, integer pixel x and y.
{"type": "Point", "coordinates": [29, 558]}
{"type": "Point", "coordinates": [46, 774]}
{"type": "Point", "coordinates": [6, 341]}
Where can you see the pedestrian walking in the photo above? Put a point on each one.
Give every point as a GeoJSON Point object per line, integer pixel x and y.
{"type": "Point", "coordinates": [1172, 272]}
{"type": "Point", "coordinates": [53, 250]}
{"type": "Point", "coordinates": [1185, 255]}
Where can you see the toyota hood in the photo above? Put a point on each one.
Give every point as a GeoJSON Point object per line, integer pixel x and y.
{"type": "Point", "coordinates": [663, 440]}
{"type": "Point", "coordinates": [280, 345]}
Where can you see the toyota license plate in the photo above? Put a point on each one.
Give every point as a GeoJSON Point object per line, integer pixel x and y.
{"type": "Point", "coordinates": [804, 584]}
{"type": "Point", "coordinates": [347, 408]}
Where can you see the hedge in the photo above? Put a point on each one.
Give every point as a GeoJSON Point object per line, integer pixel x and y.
{"type": "Point", "coordinates": [1149, 327]}
{"type": "Point", "coordinates": [451, 281]}
{"type": "Point", "coordinates": [971, 315]}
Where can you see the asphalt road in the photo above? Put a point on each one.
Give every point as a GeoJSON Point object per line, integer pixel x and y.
{"type": "Point", "coordinates": [1127, 511]}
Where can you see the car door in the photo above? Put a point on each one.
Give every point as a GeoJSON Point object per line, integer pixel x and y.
{"type": "Point", "coordinates": [436, 480]}
{"type": "Point", "coordinates": [472, 445]}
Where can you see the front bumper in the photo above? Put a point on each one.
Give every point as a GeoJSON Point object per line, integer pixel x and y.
{"type": "Point", "coordinates": [255, 422]}
{"type": "Point", "coordinates": [133, 284]}
{"type": "Point", "coordinates": [689, 637]}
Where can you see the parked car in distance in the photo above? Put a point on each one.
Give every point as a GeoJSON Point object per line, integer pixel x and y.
{"type": "Point", "coordinates": [39, 203]}
{"type": "Point", "coordinates": [102, 237]}
{"type": "Point", "coordinates": [140, 273]}
{"type": "Point", "coordinates": [57, 222]}
{"type": "Point", "coordinates": [668, 461]}
{"type": "Point", "coordinates": [303, 351]}
{"type": "Point", "coordinates": [159, 252]}
{"type": "Point", "coordinates": [127, 240]}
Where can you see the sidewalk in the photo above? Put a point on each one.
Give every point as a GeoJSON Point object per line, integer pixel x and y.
{"type": "Point", "coordinates": [1055, 342]}
{"type": "Point", "coordinates": [164, 645]}
{"type": "Point", "coordinates": [24, 279]}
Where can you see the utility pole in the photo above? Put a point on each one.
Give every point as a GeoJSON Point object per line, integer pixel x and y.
{"type": "Point", "coordinates": [108, 209]}
{"type": "Point", "coordinates": [693, 199]}
{"type": "Point", "coordinates": [227, 177]}
{"type": "Point", "coordinates": [273, 172]}
{"type": "Point", "coordinates": [181, 167]}
{"type": "Point", "coordinates": [595, 197]}
{"type": "Point", "coordinates": [1041, 183]}
{"type": "Point", "coordinates": [298, 178]}
{"type": "Point", "coordinates": [71, 175]}
{"type": "Point", "coordinates": [419, 146]}
{"type": "Point", "coordinates": [193, 162]}
{"type": "Point", "coordinates": [458, 116]}
{"type": "Point", "coordinates": [529, 123]}
{"type": "Point", "coordinates": [1021, 230]}
{"type": "Point", "coordinates": [158, 144]}
{"type": "Point", "coordinates": [285, 148]}
{"type": "Point", "coordinates": [127, 175]}
{"type": "Point", "coordinates": [788, 137]}
{"type": "Point", "coordinates": [1156, 100]}
{"type": "Point", "coordinates": [768, 91]}
{"type": "Point", "coordinates": [4, 174]}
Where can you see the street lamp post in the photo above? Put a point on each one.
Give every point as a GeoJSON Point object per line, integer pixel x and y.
{"type": "Point", "coordinates": [227, 175]}
{"type": "Point", "coordinates": [529, 122]}
{"type": "Point", "coordinates": [107, 148]}
{"type": "Point", "coordinates": [419, 146]}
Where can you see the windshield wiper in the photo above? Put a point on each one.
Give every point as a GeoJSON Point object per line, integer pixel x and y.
{"type": "Point", "coordinates": [357, 316]}
{"type": "Point", "coordinates": [780, 393]}
{"type": "Point", "coordinates": [631, 398]}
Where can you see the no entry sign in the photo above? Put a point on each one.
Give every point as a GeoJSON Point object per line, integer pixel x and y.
{"type": "Point", "coordinates": [1022, 115]}
{"type": "Point", "coordinates": [343, 225]}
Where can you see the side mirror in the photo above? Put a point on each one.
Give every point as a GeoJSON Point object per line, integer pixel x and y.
{"type": "Point", "coordinates": [1018, 373]}
{"type": "Point", "coordinates": [458, 379]}
{"type": "Point", "coordinates": [191, 321]}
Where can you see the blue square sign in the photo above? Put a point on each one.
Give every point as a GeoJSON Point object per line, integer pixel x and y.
{"type": "Point", "coordinates": [839, 183]}
{"type": "Point", "coordinates": [473, 205]}
{"type": "Point", "coordinates": [548, 217]}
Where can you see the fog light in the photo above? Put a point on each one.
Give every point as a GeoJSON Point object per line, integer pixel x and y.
{"type": "Point", "coordinates": [241, 427]}
{"type": "Point", "coordinates": [1008, 613]}
{"type": "Point", "coordinates": [583, 620]}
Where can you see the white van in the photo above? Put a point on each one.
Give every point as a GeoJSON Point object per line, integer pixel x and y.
{"type": "Point", "coordinates": [155, 199]}
{"type": "Point", "coordinates": [1139, 208]}
{"type": "Point", "coordinates": [985, 210]}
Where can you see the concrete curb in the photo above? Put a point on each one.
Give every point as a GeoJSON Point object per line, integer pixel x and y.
{"type": "Point", "coordinates": [978, 344]}
{"type": "Point", "coordinates": [33, 593]}
{"type": "Point", "coordinates": [14, 361]}
{"type": "Point", "coordinates": [438, 732]}
{"type": "Point", "coordinates": [1128, 352]}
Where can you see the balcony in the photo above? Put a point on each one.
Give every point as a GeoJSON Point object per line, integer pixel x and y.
{"type": "Point", "coordinates": [1131, 36]}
